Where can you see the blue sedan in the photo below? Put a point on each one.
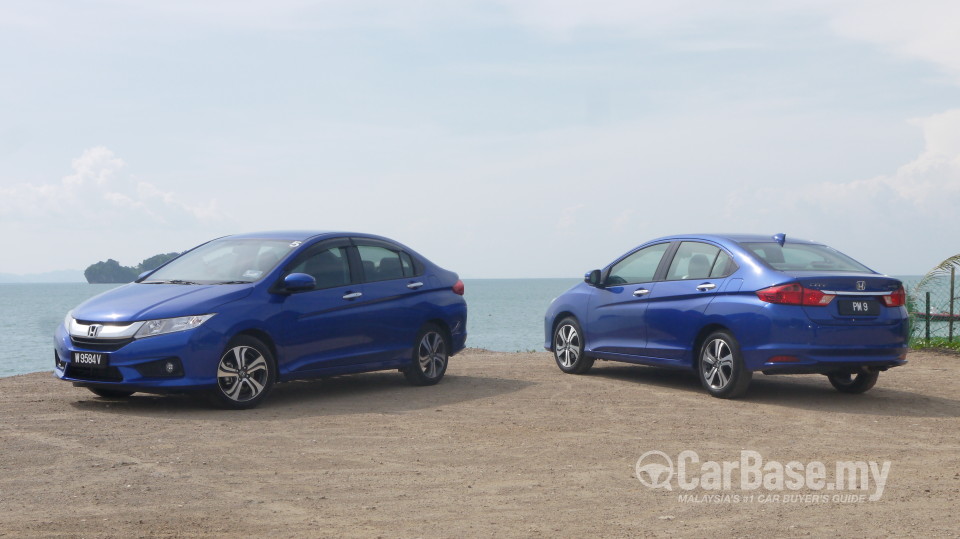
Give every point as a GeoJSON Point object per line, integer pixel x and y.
{"type": "Point", "coordinates": [728, 306]}
{"type": "Point", "coordinates": [233, 316]}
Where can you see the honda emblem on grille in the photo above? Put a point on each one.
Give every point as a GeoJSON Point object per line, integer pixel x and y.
{"type": "Point", "coordinates": [94, 330]}
{"type": "Point", "coordinates": [861, 285]}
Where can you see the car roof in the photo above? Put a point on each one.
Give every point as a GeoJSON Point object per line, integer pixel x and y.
{"type": "Point", "coordinates": [735, 238]}
{"type": "Point", "coordinates": [302, 235]}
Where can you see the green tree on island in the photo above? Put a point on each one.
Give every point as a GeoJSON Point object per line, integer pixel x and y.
{"type": "Point", "coordinates": [110, 271]}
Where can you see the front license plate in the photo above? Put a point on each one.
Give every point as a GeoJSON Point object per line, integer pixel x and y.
{"type": "Point", "coordinates": [91, 359]}
{"type": "Point", "coordinates": [858, 307]}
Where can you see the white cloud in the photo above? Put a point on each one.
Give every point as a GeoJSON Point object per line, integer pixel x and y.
{"type": "Point", "coordinates": [98, 211]}
{"type": "Point", "coordinates": [98, 193]}
{"type": "Point", "coordinates": [921, 29]}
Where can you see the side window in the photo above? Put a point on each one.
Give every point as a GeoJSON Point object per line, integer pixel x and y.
{"type": "Point", "coordinates": [694, 260]}
{"type": "Point", "coordinates": [407, 263]}
{"type": "Point", "coordinates": [640, 267]}
{"type": "Point", "coordinates": [329, 267]}
{"type": "Point", "coordinates": [723, 267]}
{"type": "Point", "coordinates": [382, 264]}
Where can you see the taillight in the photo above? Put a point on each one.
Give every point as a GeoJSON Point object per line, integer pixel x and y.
{"type": "Point", "coordinates": [794, 294]}
{"type": "Point", "coordinates": [458, 288]}
{"type": "Point", "coordinates": [897, 299]}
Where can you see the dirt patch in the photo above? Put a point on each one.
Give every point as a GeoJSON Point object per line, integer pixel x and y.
{"type": "Point", "coordinates": [505, 445]}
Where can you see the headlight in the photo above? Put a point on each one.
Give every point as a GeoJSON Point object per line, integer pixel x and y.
{"type": "Point", "coordinates": [170, 325]}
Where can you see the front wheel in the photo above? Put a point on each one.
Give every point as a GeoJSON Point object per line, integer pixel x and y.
{"type": "Point", "coordinates": [245, 374]}
{"type": "Point", "coordinates": [849, 383]}
{"type": "Point", "coordinates": [721, 368]}
{"type": "Point", "coordinates": [568, 348]}
{"type": "Point", "coordinates": [430, 356]}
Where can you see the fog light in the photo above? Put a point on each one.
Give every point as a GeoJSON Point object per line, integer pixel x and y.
{"type": "Point", "coordinates": [169, 367]}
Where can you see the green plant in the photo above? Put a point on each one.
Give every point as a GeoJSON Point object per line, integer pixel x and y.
{"type": "Point", "coordinates": [937, 343]}
{"type": "Point", "coordinates": [942, 269]}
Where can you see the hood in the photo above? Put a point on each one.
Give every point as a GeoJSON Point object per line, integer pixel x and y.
{"type": "Point", "coordinates": [137, 301]}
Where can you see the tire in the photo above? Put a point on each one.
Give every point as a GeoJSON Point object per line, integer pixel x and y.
{"type": "Point", "coordinates": [568, 347]}
{"type": "Point", "coordinates": [245, 374]}
{"type": "Point", "coordinates": [853, 383]}
{"type": "Point", "coordinates": [430, 356]}
{"type": "Point", "coordinates": [110, 393]}
{"type": "Point", "coordinates": [721, 368]}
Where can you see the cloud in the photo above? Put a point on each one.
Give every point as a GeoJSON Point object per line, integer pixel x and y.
{"type": "Point", "coordinates": [920, 29]}
{"type": "Point", "coordinates": [99, 193]}
{"type": "Point", "coordinates": [898, 217]}
{"type": "Point", "coordinates": [929, 185]}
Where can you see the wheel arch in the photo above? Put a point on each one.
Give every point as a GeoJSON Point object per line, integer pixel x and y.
{"type": "Point", "coordinates": [266, 339]}
{"type": "Point", "coordinates": [556, 322]}
{"type": "Point", "coordinates": [440, 323]}
{"type": "Point", "coordinates": [702, 335]}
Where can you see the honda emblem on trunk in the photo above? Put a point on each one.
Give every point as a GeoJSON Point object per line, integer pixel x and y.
{"type": "Point", "coordinates": [861, 285]}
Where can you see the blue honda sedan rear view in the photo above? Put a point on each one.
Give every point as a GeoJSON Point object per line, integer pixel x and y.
{"type": "Point", "coordinates": [731, 305]}
{"type": "Point", "coordinates": [235, 315]}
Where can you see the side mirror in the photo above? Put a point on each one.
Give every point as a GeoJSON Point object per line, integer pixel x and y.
{"type": "Point", "coordinates": [593, 278]}
{"type": "Point", "coordinates": [298, 282]}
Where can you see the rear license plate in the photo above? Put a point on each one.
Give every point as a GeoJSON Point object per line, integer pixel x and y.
{"type": "Point", "coordinates": [91, 359]}
{"type": "Point", "coordinates": [858, 307]}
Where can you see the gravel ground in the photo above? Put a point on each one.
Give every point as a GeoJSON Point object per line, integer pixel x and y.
{"type": "Point", "coordinates": [505, 445]}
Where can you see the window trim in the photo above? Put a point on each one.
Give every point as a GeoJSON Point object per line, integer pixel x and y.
{"type": "Point", "coordinates": [322, 245]}
{"type": "Point", "coordinates": [657, 275]}
{"type": "Point", "coordinates": [418, 266]}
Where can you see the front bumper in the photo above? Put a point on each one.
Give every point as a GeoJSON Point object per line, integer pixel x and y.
{"type": "Point", "coordinates": [143, 364]}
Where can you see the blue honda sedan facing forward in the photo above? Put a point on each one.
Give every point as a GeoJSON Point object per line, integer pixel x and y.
{"type": "Point", "coordinates": [729, 306]}
{"type": "Point", "coordinates": [235, 315]}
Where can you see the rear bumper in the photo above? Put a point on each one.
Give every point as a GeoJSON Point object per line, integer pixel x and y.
{"type": "Point", "coordinates": [831, 367]}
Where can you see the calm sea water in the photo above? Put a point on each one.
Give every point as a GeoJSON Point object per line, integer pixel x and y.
{"type": "Point", "coordinates": [505, 315]}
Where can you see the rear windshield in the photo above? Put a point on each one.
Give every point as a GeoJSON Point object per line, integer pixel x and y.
{"type": "Point", "coordinates": [804, 257]}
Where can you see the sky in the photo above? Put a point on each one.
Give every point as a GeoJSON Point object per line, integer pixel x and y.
{"type": "Point", "coordinates": [500, 138]}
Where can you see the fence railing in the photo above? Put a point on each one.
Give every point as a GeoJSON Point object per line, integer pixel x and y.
{"type": "Point", "coordinates": [935, 309]}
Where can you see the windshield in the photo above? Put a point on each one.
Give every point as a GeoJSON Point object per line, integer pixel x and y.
{"type": "Point", "coordinates": [226, 261]}
{"type": "Point", "coordinates": [804, 257]}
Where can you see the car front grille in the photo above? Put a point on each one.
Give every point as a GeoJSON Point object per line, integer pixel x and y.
{"type": "Point", "coordinates": [100, 345]}
{"type": "Point", "coordinates": [93, 373]}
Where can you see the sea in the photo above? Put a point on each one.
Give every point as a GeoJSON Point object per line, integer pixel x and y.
{"type": "Point", "coordinates": [505, 315]}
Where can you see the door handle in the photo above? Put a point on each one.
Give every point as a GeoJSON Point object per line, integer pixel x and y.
{"type": "Point", "coordinates": [706, 286]}
{"type": "Point", "coordinates": [352, 295]}
{"type": "Point", "coordinates": [641, 292]}
{"type": "Point", "coordinates": [414, 286]}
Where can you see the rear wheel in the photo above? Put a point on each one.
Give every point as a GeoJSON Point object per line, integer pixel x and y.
{"type": "Point", "coordinates": [430, 356]}
{"type": "Point", "coordinates": [568, 347]}
{"type": "Point", "coordinates": [721, 368]}
{"type": "Point", "coordinates": [853, 383]}
{"type": "Point", "coordinates": [110, 393]}
{"type": "Point", "coordinates": [245, 374]}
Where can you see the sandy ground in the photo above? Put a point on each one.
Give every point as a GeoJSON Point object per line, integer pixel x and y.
{"type": "Point", "coordinates": [505, 445]}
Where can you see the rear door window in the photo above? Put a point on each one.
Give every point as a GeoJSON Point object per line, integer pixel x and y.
{"type": "Point", "coordinates": [382, 264]}
{"type": "Point", "coordinates": [694, 260]}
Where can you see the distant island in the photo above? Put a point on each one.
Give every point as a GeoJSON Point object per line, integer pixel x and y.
{"type": "Point", "coordinates": [110, 271]}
